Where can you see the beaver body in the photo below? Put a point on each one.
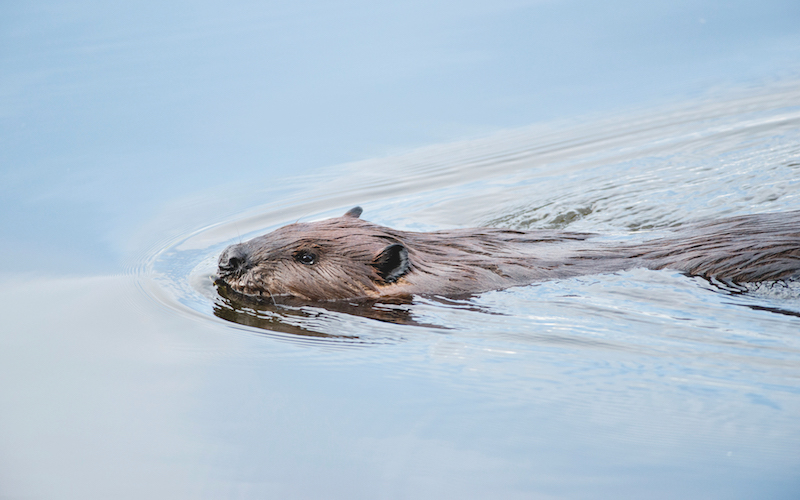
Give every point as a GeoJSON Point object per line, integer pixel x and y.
{"type": "Point", "coordinates": [349, 258]}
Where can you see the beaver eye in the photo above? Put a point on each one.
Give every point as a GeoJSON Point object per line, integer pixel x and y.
{"type": "Point", "coordinates": [306, 258]}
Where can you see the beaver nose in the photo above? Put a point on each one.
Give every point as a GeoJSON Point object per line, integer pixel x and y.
{"type": "Point", "coordinates": [232, 260]}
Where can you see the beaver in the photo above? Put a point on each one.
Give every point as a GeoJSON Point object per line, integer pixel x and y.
{"type": "Point", "coordinates": [349, 258]}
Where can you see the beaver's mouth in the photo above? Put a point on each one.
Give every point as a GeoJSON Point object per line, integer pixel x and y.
{"type": "Point", "coordinates": [233, 291]}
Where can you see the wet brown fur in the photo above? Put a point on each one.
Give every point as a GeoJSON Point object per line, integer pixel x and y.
{"type": "Point", "coordinates": [353, 258]}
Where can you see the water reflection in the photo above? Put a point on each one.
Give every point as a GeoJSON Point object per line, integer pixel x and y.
{"type": "Point", "coordinates": [316, 319]}
{"type": "Point", "coordinates": [288, 314]}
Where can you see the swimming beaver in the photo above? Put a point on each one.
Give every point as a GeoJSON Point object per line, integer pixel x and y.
{"type": "Point", "coordinates": [349, 258]}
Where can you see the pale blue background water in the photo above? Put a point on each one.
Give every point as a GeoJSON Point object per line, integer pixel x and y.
{"type": "Point", "coordinates": [129, 131]}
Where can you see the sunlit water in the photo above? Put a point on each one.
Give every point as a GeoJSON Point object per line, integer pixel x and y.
{"type": "Point", "coordinates": [583, 383]}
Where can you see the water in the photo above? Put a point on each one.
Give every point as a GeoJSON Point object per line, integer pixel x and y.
{"type": "Point", "coordinates": [139, 142]}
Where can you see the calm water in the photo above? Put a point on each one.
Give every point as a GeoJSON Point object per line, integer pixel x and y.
{"type": "Point", "coordinates": [138, 143]}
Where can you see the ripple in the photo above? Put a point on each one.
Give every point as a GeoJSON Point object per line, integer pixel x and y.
{"type": "Point", "coordinates": [618, 175]}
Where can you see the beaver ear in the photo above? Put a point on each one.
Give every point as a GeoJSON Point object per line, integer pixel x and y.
{"type": "Point", "coordinates": [391, 263]}
{"type": "Point", "coordinates": [353, 212]}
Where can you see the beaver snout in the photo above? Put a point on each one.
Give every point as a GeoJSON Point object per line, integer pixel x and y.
{"type": "Point", "coordinates": [233, 261]}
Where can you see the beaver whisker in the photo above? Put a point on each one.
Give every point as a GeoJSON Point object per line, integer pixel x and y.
{"type": "Point", "coordinates": [274, 303]}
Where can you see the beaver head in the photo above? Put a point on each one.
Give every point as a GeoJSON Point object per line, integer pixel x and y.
{"type": "Point", "coordinates": [343, 257]}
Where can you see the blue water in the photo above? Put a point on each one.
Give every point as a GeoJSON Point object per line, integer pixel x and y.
{"type": "Point", "coordinates": [137, 141]}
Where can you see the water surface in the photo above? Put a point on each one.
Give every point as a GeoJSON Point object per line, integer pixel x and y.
{"type": "Point", "coordinates": [605, 379]}
{"type": "Point", "coordinates": [139, 141]}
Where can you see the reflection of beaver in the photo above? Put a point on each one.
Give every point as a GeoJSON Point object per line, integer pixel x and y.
{"type": "Point", "coordinates": [347, 258]}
